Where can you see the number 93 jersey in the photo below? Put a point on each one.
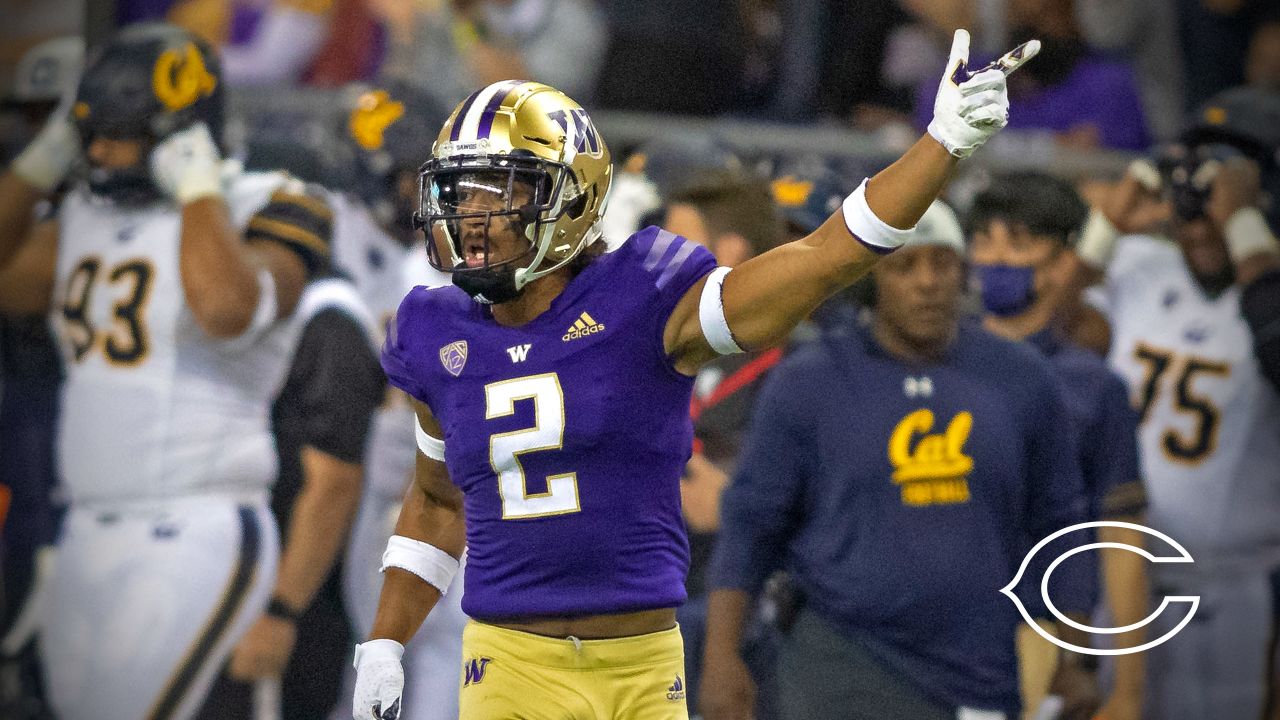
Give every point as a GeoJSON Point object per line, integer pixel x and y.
{"type": "Point", "coordinates": [1210, 422]}
{"type": "Point", "coordinates": [568, 435]}
{"type": "Point", "coordinates": [152, 407]}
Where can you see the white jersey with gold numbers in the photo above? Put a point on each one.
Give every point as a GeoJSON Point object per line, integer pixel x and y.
{"type": "Point", "coordinates": [152, 407]}
{"type": "Point", "coordinates": [1210, 422]}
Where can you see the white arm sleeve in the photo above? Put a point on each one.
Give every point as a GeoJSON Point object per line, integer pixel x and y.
{"type": "Point", "coordinates": [431, 447]}
{"type": "Point", "coordinates": [264, 315]}
{"type": "Point", "coordinates": [711, 314]}
{"type": "Point", "coordinates": [435, 566]}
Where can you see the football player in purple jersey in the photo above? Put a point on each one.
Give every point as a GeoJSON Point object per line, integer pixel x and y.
{"type": "Point", "coordinates": [552, 384]}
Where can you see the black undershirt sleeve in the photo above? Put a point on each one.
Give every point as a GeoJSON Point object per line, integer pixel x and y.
{"type": "Point", "coordinates": [338, 384]}
{"type": "Point", "coordinates": [1261, 309]}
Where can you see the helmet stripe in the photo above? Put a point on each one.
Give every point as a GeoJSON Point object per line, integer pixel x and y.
{"type": "Point", "coordinates": [486, 117]}
{"type": "Point", "coordinates": [462, 115]}
{"type": "Point", "coordinates": [468, 121]}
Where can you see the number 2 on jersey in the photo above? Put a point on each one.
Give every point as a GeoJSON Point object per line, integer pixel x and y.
{"type": "Point", "coordinates": [125, 343]}
{"type": "Point", "coordinates": [1204, 439]}
{"type": "Point", "coordinates": [505, 449]}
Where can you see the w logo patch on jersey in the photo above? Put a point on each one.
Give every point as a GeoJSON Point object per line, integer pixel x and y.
{"type": "Point", "coordinates": [454, 357]}
{"type": "Point", "coordinates": [473, 670]}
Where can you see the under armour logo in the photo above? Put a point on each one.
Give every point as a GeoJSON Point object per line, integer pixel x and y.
{"type": "Point", "coordinates": [519, 353]}
{"type": "Point", "coordinates": [917, 387]}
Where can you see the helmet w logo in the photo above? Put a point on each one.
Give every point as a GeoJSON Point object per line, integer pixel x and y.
{"type": "Point", "coordinates": [473, 670]}
{"type": "Point", "coordinates": [579, 131]}
{"type": "Point", "coordinates": [180, 78]}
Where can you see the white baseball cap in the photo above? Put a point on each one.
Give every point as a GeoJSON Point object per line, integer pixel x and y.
{"type": "Point", "coordinates": [49, 71]}
{"type": "Point", "coordinates": [938, 226]}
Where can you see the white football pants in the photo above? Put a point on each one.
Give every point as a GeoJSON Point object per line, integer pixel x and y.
{"type": "Point", "coordinates": [149, 599]}
{"type": "Point", "coordinates": [1216, 666]}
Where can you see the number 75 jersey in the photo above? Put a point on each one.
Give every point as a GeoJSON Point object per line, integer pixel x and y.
{"type": "Point", "coordinates": [1209, 421]}
{"type": "Point", "coordinates": [152, 407]}
{"type": "Point", "coordinates": [568, 435]}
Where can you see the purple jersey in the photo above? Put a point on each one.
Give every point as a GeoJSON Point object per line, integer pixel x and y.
{"type": "Point", "coordinates": [568, 435]}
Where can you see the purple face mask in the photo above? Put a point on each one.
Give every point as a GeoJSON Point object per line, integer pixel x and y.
{"type": "Point", "coordinates": [1006, 289]}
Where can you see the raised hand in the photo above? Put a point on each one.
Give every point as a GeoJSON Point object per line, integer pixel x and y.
{"type": "Point", "coordinates": [1135, 205]}
{"type": "Point", "coordinates": [187, 165]}
{"type": "Point", "coordinates": [47, 160]}
{"type": "Point", "coordinates": [973, 106]}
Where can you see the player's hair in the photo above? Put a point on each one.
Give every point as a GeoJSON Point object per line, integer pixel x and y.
{"type": "Point", "coordinates": [735, 202]}
{"type": "Point", "coordinates": [1036, 202]}
{"type": "Point", "coordinates": [586, 257]}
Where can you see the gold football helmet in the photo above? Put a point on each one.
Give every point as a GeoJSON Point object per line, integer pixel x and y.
{"type": "Point", "coordinates": [537, 151]}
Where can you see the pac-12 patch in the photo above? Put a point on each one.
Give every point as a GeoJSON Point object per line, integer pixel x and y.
{"type": "Point", "coordinates": [454, 357]}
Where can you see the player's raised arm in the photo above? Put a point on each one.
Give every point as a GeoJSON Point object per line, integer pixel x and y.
{"type": "Point", "coordinates": [233, 286]}
{"type": "Point", "coordinates": [759, 303]}
{"type": "Point", "coordinates": [33, 176]}
{"type": "Point", "coordinates": [421, 560]}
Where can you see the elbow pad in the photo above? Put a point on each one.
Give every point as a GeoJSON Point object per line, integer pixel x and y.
{"type": "Point", "coordinates": [300, 221]}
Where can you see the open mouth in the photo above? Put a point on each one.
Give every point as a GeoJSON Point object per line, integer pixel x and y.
{"type": "Point", "coordinates": [474, 254]}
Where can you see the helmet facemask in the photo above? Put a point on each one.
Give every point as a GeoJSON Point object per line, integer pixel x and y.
{"type": "Point", "coordinates": [130, 186]}
{"type": "Point", "coordinates": [471, 206]}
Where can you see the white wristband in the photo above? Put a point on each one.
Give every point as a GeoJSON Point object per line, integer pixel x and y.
{"type": "Point", "coordinates": [1247, 235]}
{"type": "Point", "coordinates": [1097, 240]}
{"type": "Point", "coordinates": [429, 446]}
{"type": "Point", "coordinates": [376, 649]}
{"type": "Point", "coordinates": [880, 237]}
{"type": "Point", "coordinates": [715, 328]}
{"type": "Point", "coordinates": [435, 566]}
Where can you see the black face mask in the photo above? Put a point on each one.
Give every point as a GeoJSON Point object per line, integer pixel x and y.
{"type": "Point", "coordinates": [491, 286]}
{"type": "Point", "coordinates": [126, 186]}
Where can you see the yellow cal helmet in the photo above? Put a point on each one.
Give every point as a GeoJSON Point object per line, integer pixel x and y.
{"type": "Point", "coordinates": [533, 147]}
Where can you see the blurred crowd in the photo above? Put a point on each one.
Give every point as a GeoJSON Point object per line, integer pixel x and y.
{"type": "Point", "coordinates": [1191, 88]}
{"type": "Point", "coordinates": [1114, 73]}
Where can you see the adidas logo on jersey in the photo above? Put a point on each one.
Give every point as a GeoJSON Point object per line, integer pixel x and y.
{"type": "Point", "coordinates": [582, 327]}
{"type": "Point", "coordinates": [676, 691]}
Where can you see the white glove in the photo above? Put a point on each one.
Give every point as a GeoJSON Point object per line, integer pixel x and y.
{"type": "Point", "coordinates": [186, 165]}
{"type": "Point", "coordinates": [45, 162]}
{"type": "Point", "coordinates": [970, 108]}
{"type": "Point", "coordinates": [379, 680]}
